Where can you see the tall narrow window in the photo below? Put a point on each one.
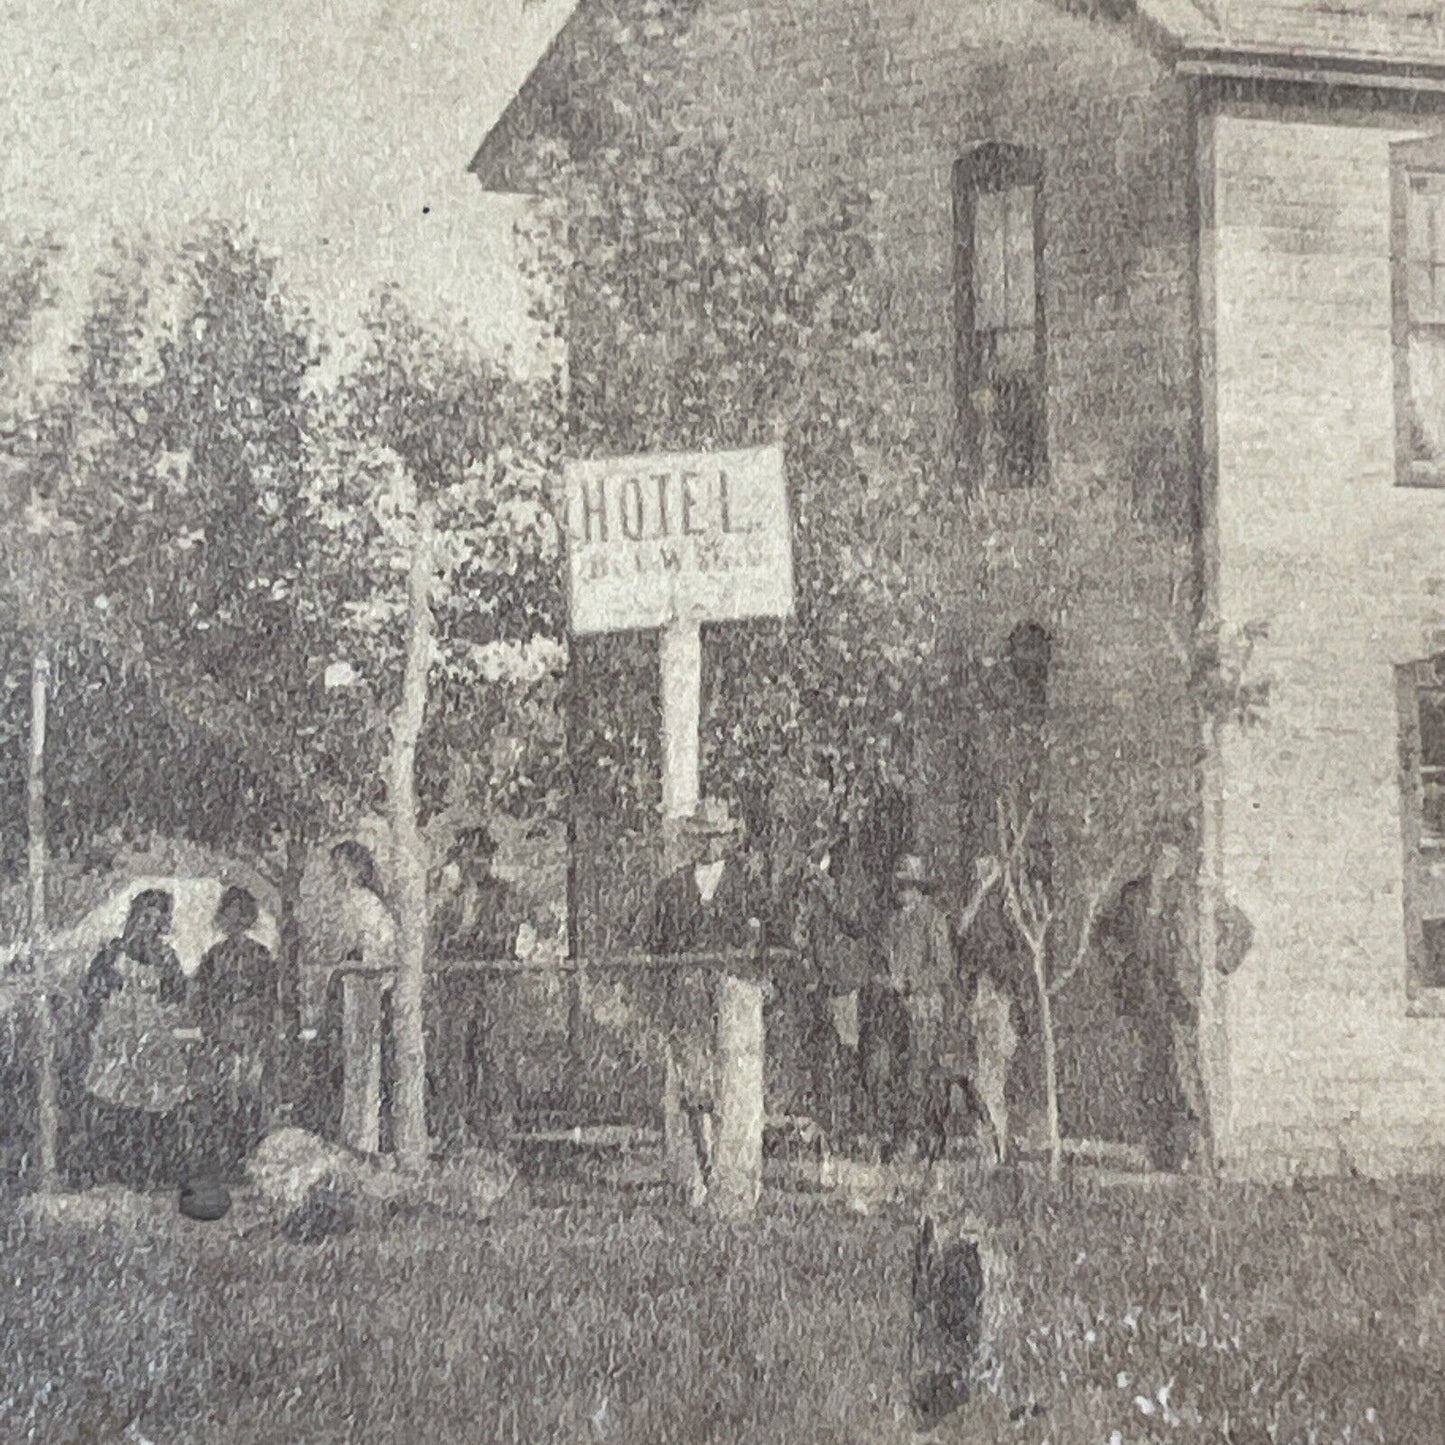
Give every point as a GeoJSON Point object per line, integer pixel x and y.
{"type": "Point", "coordinates": [1002, 411]}
{"type": "Point", "coordinates": [1421, 696]}
{"type": "Point", "coordinates": [1419, 311]}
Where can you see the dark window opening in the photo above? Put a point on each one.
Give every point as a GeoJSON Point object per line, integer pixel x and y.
{"type": "Point", "coordinates": [1001, 354]}
{"type": "Point", "coordinates": [1432, 963]}
{"type": "Point", "coordinates": [1030, 655]}
{"type": "Point", "coordinates": [1420, 694]}
{"type": "Point", "coordinates": [1004, 744]}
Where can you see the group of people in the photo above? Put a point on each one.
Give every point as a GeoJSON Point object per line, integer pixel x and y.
{"type": "Point", "coordinates": [175, 1077]}
{"type": "Point", "coordinates": [888, 1009]}
{"type": "Point", "coordinates": [176, 1071]}
{"type": "Point", "coordinates": [893, 1017]}
{"type": "Point", "coordinates": [878, 1006]}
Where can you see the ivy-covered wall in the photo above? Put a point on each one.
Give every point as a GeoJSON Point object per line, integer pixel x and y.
{"type": "Point", "coordinates": [824, 318]}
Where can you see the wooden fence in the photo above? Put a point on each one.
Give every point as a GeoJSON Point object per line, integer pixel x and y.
{"type": "Point", "coordinates": [646, 1009]}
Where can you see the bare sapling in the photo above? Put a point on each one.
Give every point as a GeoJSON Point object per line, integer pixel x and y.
{"type": "Point", "coordinates": [1033, 909]}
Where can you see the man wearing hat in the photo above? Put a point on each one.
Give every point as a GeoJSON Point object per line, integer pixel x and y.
{"type": "Point", "coordinates": [478, 918]}
{"type": "Point", "coordinates": [907, 1009]}
{"type": "Point", "coordinates": [706, 906]}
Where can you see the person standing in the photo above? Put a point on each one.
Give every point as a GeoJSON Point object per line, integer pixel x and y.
{"type": "Point", "coordinates": [139, 1070]}
{"type": "Point", "coordinates": [367, 932]}
{"type": "Point", "coordinates": [708, 906]}
{"type": "Point", "coordinates": [235, 1001]}
{"type": "Point", "coordinates": [907, 1011]}
{"type": "Point", "coordinates": [351, 927]}
{"type": "Point", "coordinates": [1142, 937]}
{"type": "Point", "coordinates": [833, 936]}
{"type": "Point", "coordinates": [478, 915]}
{"type": "Point", "coordinates": [478, 919]}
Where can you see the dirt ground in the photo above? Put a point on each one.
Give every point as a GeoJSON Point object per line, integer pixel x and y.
{"type": "Point", "coordinates": [1178, 1312]}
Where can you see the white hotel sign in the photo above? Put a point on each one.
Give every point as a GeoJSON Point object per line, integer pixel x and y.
{"type": "Point", "coordinates": [681, 538]}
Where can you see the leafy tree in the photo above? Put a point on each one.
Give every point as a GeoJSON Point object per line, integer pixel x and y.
{"type": "Point", "coordinates": [184, 461]}
{"type": "Point", "coordinates": [168, 464]}
{"type": "Point", "coordinates": [180, 460]}
{"type": "Point", "coordinates": [1032, 904]}
{"type": "Point", "coordinates": [1069, 774]}
{"type": "Point", "coordinates": [334, 576]}
{"type": "Point", "coordinates": [221, 424]}
{"type": "Point", "coordinates": [435, 560]}
{"type": "Point", "coordinates": [1073, 798]}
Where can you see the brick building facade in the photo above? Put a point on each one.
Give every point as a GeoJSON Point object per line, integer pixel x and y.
{"type": "Point", "coordinates": [1182, 256]}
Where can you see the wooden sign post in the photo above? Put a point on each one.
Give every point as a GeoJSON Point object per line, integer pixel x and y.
{"type": "Point", "coordinates": [667, 543]}
{"type": "Point", "coordinates": [680, 662]}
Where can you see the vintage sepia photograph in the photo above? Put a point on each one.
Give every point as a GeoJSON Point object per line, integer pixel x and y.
{"type": "Point", "coordinates": [722, 722]}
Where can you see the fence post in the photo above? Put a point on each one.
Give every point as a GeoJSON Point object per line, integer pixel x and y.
{"type": "Point", "coordinates": [48, 1108]}
{"type": "Point", "coordinates": [361, 1061]}
{"type": "Point", "coordinates": [738, 1155]}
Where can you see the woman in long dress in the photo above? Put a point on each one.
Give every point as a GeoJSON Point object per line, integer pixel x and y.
{"type": "Point", "coordinates": [235, 997]}
{"type": "Point", "coordinates": [139, 1069]}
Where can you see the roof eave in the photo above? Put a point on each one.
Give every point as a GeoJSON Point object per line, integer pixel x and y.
{"type": "Point", "coordinates": [1170, 30]}
{"type": "Point", "coordinates": [494, 164]}
{"type": "Point", "coordinates": [492, 171]}
{"type": "Point", "coordinates": [489, 164]}
{"type": "Point", "coordinates": [1322, 69]}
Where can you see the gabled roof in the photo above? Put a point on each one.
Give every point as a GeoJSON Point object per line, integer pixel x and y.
{"type": "Point", "coordinates": [490, 162]}
{"type": "Point", "coordinates": [1378, 43]}
{"type": "Point", "coordinates": [1364, 36]}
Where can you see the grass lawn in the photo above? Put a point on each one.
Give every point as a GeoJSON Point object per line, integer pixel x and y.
{"type": "Point", "coordinates": [1287, 1315]}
